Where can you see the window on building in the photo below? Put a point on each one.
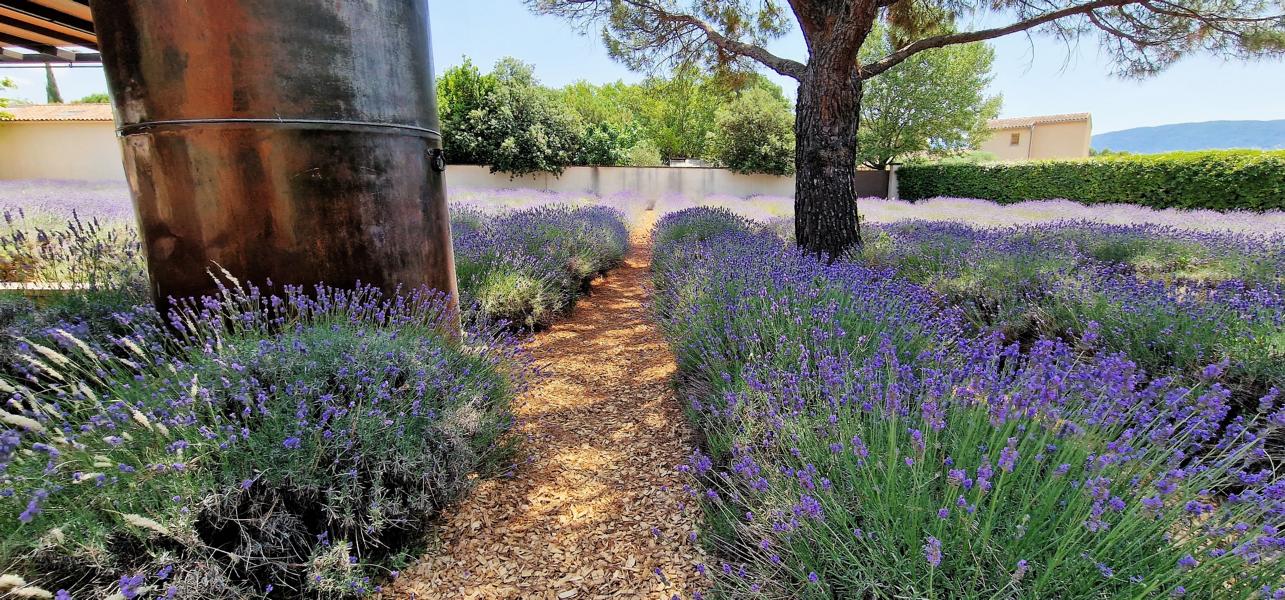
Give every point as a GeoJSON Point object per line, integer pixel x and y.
{"type": "Point", "coordinates": [1015, 139]}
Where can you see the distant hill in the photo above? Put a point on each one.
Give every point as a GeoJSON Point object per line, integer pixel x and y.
{"type": "Point", "coordinates": [1210, 135]}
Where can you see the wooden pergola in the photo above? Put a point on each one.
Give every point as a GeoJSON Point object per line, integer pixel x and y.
{"type": "Point", "coordinates": [47, 31]}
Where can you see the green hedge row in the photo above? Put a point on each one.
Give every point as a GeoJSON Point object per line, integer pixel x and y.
{"type": "Point", "coordinates": [1220, 180]}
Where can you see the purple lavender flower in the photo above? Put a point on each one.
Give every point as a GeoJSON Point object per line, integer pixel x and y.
{"type": "Point", "coordinates": [932, 552]}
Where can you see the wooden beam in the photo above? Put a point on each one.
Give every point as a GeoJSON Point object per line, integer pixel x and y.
{"type": "Point", "coordinates": [46, 34]}
{"type": "Point", "coordinates": [79, 10]}
{"type": "Point", "coordinates": [9, 57]}
{"type": "Point", "coordinates": [53, 53]}
{"type": "Point", "coordinates": [49, 14]}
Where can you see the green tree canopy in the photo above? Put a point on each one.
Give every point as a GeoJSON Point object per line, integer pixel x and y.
{"type": "Point", "coordinates": [934, 103]}
{"type": "Point", "coordinates": [677, 112]}
{"type": "Point", "coordinates": [506, 120]}
{"type": "Point", "coordinates": [5, 84]}
{"type": "Point", "coordinates": [95, 98]}
{"type": "Point", "coordinates": [52, 95]}
{"type": "Point", "coordinates": [609, 115]}
{"type": "Point", "coordinates": [754, 134]}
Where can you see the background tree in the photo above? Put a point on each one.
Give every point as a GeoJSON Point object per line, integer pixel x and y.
{"type": "Point", "coordinates": [461, 90]}
{"type": "Point", "coordinates": [932, 104]}
{"type": "Point", "coordinates": [95, 98]}
{"type": "Point", "coordinates": [506, 120]}
{"type": "Point", "coordinates": [754, 134]}
{"type": "Point", "coordinates": [612, 129]}
{"type": "Point", "coordinates": [644, 154]}
{"type": "Point", "coordinates": [52, 95]}
{"type": "Point", "coordinates": [1142, 36]}
{"type": "Point", "coordinates": [677, 112]}
{"type": "Point", "coordinates": [5, 84]}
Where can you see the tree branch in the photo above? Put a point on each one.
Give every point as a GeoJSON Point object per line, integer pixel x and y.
{"type": "Point", "coordinates": [784, 66]}
{"type": "Point", "coordinates": [892, 60]}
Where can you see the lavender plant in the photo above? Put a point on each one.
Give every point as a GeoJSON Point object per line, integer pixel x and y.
{"type": "Point", "coordinates": [259, 445]}
{"type": "Point", "coordinates": [862, 441]}
{"type": "Point", "coordinates": [85, 254]}
{"type": "Point", "coordinates": [526, 266]}
{"type": "Point", "coordinates": [1173, 300]}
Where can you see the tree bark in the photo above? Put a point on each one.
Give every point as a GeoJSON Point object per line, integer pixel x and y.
{"type": "Point", "coordinates": [825, 130]}
{"type": "Point", "coordinates": [825, 124]}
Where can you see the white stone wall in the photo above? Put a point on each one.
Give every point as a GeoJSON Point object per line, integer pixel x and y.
{"type": "Point", "coordinates": [648, 182]}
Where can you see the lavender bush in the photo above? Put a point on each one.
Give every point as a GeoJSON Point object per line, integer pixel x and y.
{"type": "Point", "coordinates": [862, 440]}
{"type": "Point", "coordinates": [1172, 300]}
{"type": "Point", "coordinates": [88, 254]}
{"type": "Point", "coordinates": [527, 266]}
{"type": "Point", "coordinates": [261, 445]}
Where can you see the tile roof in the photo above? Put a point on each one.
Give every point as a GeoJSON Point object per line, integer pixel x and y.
{"type": "Point", "coordinates": [60, 112]}
{"type": "Point", "coordinates": [1029, 121]}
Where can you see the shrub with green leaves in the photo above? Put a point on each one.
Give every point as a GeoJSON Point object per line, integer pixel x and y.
{"type": "Point", "coordinates": [505, 119]}
{"type": "Point", "coordinates": [1216, 179]}
{"type": "Point", "coordinates": [754, 134]}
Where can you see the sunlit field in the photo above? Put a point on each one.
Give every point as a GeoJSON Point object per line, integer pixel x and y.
{"type": "Point", "coordinates": [1023, 400]}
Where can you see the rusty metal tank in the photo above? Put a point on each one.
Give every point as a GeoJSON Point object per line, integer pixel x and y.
{"type": "Point", "coordinates": [291, 140]}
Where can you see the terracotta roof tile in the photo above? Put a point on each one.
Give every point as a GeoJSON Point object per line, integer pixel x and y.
{"type": "Point", "coordinates": [1039, 120]}
{"type": "Point", "coordinates": [60, 112]}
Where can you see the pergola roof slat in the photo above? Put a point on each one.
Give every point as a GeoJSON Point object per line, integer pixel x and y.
{"type": "Point", "coordinates": [45, 13]}
{"type": "Point", "coordinates": [63, 34]}
{"type": "Point", "coordinates": [51, 53]}
{"type": "Point", "coordinates": [76, 9]}
{"type": "Point", "coordinates": [35, 31]}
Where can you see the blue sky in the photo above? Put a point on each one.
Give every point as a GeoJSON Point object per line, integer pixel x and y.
{"type": "Point", "coordinates": [1036, 76]}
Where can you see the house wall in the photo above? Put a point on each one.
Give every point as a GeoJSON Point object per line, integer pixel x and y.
{"type": "Point", "coordinates": [1046, 141]}
{"type": "Point", "coordinates": [1061, 140]}
{"type": "Point", "coordinates": [999, 143]}
{"type": "Point", "coordinates": [78, 150]}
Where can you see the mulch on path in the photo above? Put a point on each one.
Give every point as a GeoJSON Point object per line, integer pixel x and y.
{"type": "Point", "coordinates": [595, 513]}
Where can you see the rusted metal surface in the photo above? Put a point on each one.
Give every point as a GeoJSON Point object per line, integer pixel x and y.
{"type": "Point", "coordinates": [292, 140]}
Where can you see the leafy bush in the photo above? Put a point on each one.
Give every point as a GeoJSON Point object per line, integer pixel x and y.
{"type": "Point", "coordinates": [754, 134]}
{"type": "Point", "coordinates": [95, 98]}
{"type": "Point", "coordinates": [506, 120]}
{"type": "Point", "coordinates": [860, 442]}
{"type": "Point", "coordinates": [1219, 180]}
{"type": "Point", "coordinates": [643, 154]}
{"type": "Point", "coordinates": [259, 446]}
{"type": "Point", "coordinates": [603, 144]}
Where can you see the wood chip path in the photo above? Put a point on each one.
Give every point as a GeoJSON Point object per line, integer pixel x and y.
{"type": "Point", "coordinates": [594, 513]}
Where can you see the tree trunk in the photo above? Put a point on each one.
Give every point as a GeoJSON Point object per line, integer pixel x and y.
{"type": "Point", "coordinates": [825, 124]}
{"type": "Point", "coordinates": [825, 129]}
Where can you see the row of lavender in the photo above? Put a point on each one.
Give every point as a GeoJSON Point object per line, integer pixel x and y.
{"type": "Point", "coordinates": [867, 435]}
{"type": "Point", "coordinates": [252, 444]}
{"type": "Point", "coordinates": [1174, 301]}
{"type": "Point", "coordinates": [521, 265]}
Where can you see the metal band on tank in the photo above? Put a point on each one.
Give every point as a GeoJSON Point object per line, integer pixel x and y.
{"type": "Point", "coordinates": [331, 124]}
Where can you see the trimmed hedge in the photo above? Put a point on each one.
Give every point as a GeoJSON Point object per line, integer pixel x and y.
{"type": "Point", "coordinates": [1219, 180]}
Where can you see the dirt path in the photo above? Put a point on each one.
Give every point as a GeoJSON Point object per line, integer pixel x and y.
{"type": "Point", "coordinates": [595, 513]}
